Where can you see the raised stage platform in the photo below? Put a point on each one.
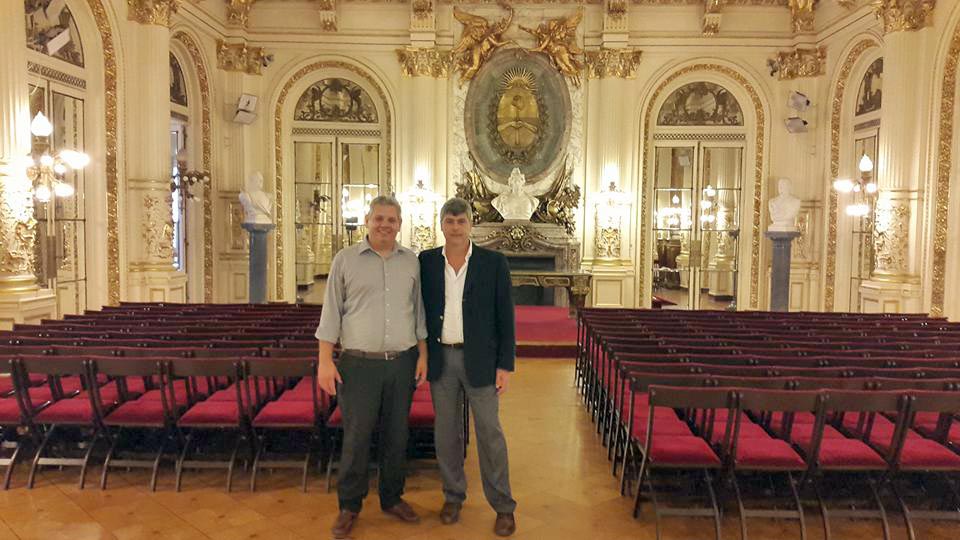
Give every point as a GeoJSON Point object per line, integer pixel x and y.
{"type": "Point", "coordinates": [545, 332]}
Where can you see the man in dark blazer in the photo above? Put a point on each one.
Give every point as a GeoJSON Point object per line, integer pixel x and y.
{"type": "Point", "coordinates": [471, 344]}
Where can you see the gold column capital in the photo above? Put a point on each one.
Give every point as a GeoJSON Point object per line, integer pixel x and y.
{"type": "Point", "coordinates": [605, 63]}
{"type": "Point", "coordinates": [238, 12]}
{"type": "Point", "coordinates": [156, 12]}
{"type": "Point", "coordinates": [902, 15]}
{"type": "Point", "coordinates": [424, 62]}
{"type": "Point", "coordinates": [239, 57]}
{"type": "Point", "coordinates": [802, 62]}
{"type": "Point", "coordinates": [801, 15]}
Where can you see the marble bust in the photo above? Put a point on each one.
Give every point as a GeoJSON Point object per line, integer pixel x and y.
{"type": "Point", "coordinates": [257, 205]}
{"type": "Point", "coordinates": [514, 200]}
{"type": "Point", "coordinates": [783, 208]}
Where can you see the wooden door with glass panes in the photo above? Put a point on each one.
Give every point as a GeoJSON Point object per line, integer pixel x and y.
{"type": "Point", "coordinates": [696, 223]}
{"type": "Point", "coordinates": [60, 257]}
{"type": "Point", "coordinates": [335, 180]}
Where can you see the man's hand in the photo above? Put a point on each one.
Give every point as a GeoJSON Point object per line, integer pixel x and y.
{"type": "Point", "coordinates": [420, 374]}
{"type": "Point", "coordinates": [328, 377]}
{"type": "Point", "coordinates": [503, 378]}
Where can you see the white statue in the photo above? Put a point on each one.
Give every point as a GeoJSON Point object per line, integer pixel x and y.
{"type": "Point", "coordinates": [784, 208]}
{"type": "Point", "coordinates": [257, 205]}
{"type": "Point", "coordinates": [516, 199]}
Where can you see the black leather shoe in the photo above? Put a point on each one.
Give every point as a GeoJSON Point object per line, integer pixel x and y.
{"type": "Point", "coordinates": [344, 524]}
{"type": "Point", "coordinates": [505, 525]}
{"type": "Point", "coordinates": [450, 513]}
{"type": "Point", "coordinates": [403, 511]}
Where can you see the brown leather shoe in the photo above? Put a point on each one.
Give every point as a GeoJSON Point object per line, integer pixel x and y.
{"type": "Point", "coordinates": [344, 524]}
{"type": "Point", "coordinates": [450, 513]}
{"type": "Point", "coordinates": [505, 525]}
{"type": "Point", "coordinates": [403, 512]}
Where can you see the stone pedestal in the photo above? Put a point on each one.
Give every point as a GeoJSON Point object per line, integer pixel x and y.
{"type": "Point", "coordinates": [780, 272]}
{"type": "Point", "coordinates": [258, 260]}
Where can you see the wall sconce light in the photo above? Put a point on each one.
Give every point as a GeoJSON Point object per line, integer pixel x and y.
{"type": "Point", "coordinates": [46, 172]}
{"type": "Point", "coordinates": [611, 207]}
{"type": "Point", "coordinates": [422, 203]}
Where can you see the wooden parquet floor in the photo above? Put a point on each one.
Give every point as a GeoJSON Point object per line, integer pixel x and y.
{"type": "Point", "coordinates": [561, 480]}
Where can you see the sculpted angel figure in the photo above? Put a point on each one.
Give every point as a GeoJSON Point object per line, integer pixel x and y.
{"type": "Point", "coordinates": [479, 38]}
{"type": "Point", "coordinates": [557, 38]}
{"type": "Point", "coordinates": [516, 200]}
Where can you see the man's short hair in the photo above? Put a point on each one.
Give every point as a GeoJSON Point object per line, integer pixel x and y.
{"type": "Point", "coordinates": [456, 207]}
{"type": "Point", "coordinates": [385, 200]}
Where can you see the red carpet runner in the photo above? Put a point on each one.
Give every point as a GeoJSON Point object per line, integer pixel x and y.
{"type": "Point", "coordinates": [545, 332]}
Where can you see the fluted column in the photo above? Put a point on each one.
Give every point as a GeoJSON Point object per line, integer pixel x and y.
{"type": "Point", "coordinates": [21, 300]}
{"type": "Point", "coordinates": [149, 220]}
{"type": "Point", "coordinates": [901, 164]}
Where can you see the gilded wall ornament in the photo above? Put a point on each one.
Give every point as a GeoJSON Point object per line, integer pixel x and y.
{"type": "Point", "coordinates": [474, 190]}
{"type": "Point", "coordinates": [621, 63]}
{"type": "Point", "coordinates": [239, 57]}
{"type": "Point", "coordinates": [617, 9]}
{"type": "Point", "coordinates": [422, 9]}
{"type": "Point", "coordinates": [424, 62]}
{"type": "Point", "coordinates": [891, 236]}
{"type": "Point", "coordinates": [41, 29]}
{"type": "Point", "coordinates": [700, 104]}
{"type": "Point", "coordinates": [519, 238]}
{"type": "Point", "coordinates": [801, 15]}
{"type": "Point", "coordinates": [608, 243]}
{"type": "Point", "coordinates": [557, 38]}
{"type": "Point", "coordinates": [238, 12]}
{"type": "Point", "coordinates": [902, 15]}
{"type": "Point", "coordinates": [518, 116]}
{"type": "Point", "coordinates": [206, 147]}
{"type": "Point", "coordinates": [111, 145]}
{"type": "Point", "coordinates": [830, 266]}
{"type": "Point", "coordinates": [17, 226]}
{"type": "Point", "coordinates": [948, 89]}
{"type": "Point", "coordinates": [802, 62]}
{"type": "Point", "coordinates": [424, 237]}
{"type": "Point", "coordinates": [152, 11]}
{"type": "Point", "coordinates": [336, 100]}
{"type": "Point", "coordinates": [478, 39]}
{"type": "Point", "coordinates": [156, 229]}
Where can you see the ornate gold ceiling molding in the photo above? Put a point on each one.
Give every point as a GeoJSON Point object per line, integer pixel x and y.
{"type": "Point", "coordinates": [829, 289]}
{"type": "Point", "coordinates": [849, 4]}
{"type": "Point", "coordinates": [901, 15]}
{"type": "Point", "coordinates": [802, 62]}
{"type": "Point", "coordinates": [941, 200]}
{"type": "Point", "coordinates": [238, 12]}
{"type": "Point", "coordinates": [111, 149]}
{"type": "Point", "coordinates": [801, 15]}
{"type": "Point", "coordinates": [152, 11]}
{"type": "Point", "coordinates": [757, 170]}
{"type": "Point", "coordinates": [606, 63]}
{"type": "Point", "coordinates": [767, 3]}
{"type": "Point", "coordinates": [712, 16]}
{"type": "Point", "coordinates": [278, 146]}
{"type": "Point", "coordinates": [422, 9]}
{"type": "Point", "coordinates": [424, 62]}
{"type": "Point", "coordinates": [239, 57]}
{"type": "Point", "coordinates": [206, 148]}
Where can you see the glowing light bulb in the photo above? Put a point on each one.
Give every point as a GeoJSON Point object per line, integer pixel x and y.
{"type": "Point", "coordinates": [866, 164]}
{"type": "Point", "coordinates": [41, 126]}
{"type": "Point", "coordinates": [675, 199]}
{"type": "Point", "coordinates": [59, 168]}
{"type": "Point", "coordinates": [42, 193]}
{"type": "Point", "coordinates": [843, 185]}
{"type": "Point", "coordinates": [871, 188]}
{"type": "Point", "coordinates": [62, 189]}
{"type": "Point", "coordinates": [46, 160]}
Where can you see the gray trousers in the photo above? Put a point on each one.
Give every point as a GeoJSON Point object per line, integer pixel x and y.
{"type": "Point", "coordinates": [374, 392]}
{"type": "Point", "coordinates": [448, 428]}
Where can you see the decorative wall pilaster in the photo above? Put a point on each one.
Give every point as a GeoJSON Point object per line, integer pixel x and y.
{"type": "Point", "coordinates": [901, 167]}
{"type": "Point", "coordinates": [21, 300]}
{"type": "Point", "coordinates": [149, 222]}
{"type": "Point", "coordinates": [238, 12]}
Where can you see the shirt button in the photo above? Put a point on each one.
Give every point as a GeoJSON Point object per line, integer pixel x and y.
{"type": "Point", "coordinates": [441, 317]}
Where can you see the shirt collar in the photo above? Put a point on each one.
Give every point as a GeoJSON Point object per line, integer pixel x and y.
{"type": "Point", "coordinates": [469, 250]}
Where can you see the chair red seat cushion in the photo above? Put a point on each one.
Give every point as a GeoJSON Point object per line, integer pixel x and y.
{"type": "Point", "coordinates": [67, 411]}
{"type": "Point", "coordinates": [682, 451]}
{"type": "Point", "coordinates": [179, 393]}
{"type": "Point", "coordinates": [136, 385]}
{"type": "Point", "coordinates": [421, 414]}
{"type": "Point", "coordinates": [849, 454]}
{"type": "Point", "coordinates": [661, 428]}
{"type": "Point", "coordinates": [227, 394]}
{"type": "Point", "coordinates": [211, 413]}
{"type": "Point", "coordinates": [921, 454]}
{"type": "Point", "coordinates": [9, 411]}
{"type": "Point", "coordinates": [776, 420]}
{"type": "Point", "coordinates": [142, 412]}
{"type": "Point", "coordinates": [109, 393]}
{"type": "Point", "coordinates": [767, 453]}
{"type": "Point", "coordinates": [286, 413]}
{"type": "Point", "coordinates": [802, 434]}
{"type": "Point", "coordinates": [302, 391]}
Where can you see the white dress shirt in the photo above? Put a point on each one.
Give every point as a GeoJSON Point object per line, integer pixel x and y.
{"type": "Point", "coordinates": [452, 332]}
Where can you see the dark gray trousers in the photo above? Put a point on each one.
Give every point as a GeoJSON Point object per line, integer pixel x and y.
{"type": "Point", "coordinates": [372, 391]}
{"type": "Point", "coordinates": [491, 444]}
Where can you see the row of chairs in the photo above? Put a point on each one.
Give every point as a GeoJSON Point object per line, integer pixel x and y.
{"type": "Point", "coordinates": [622, 357]}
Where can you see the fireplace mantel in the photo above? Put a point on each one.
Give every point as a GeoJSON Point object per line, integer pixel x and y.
{"type": "Point", "coordinates": [516, 238]}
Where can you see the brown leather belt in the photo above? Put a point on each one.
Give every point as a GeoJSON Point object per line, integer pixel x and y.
{"type": "Point", "coordinates": [453, 345]}
{"type": "Point", "coordinates": [385, 355]}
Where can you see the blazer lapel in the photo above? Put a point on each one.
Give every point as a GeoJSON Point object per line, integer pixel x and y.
{"type": "Point", "coordinates": [472, 273]}
{"type": "Point", "coordinates": [442, 276]}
